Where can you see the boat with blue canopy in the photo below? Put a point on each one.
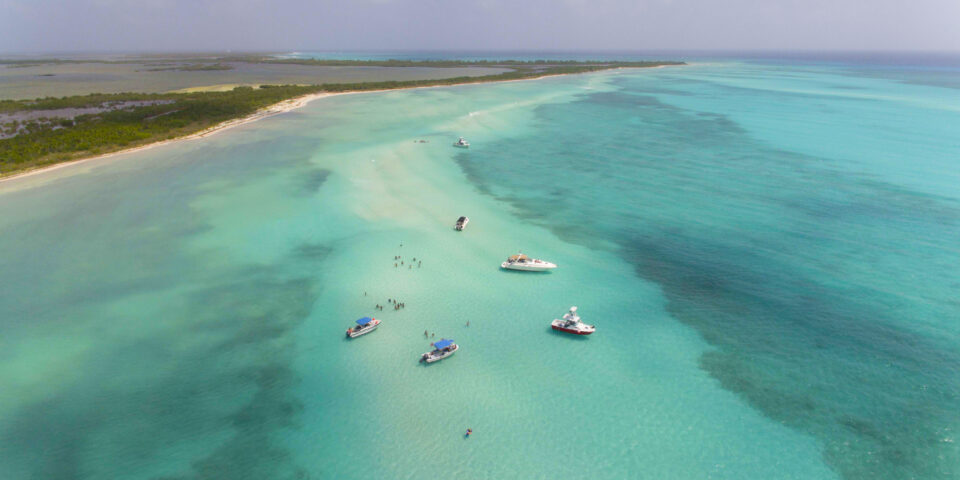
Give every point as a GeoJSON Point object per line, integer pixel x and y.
{"type": "Point", "coordinates": [441, 349]}
{"type": "Point", "coordinates": [364, 326]}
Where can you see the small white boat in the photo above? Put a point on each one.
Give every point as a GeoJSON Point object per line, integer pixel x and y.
{"type": "Point", "coordinates": [571, 323]}
{"type": "Point", "coordinates": [462, 143]}
{"type": "Point", "coordinates": [525, 263]}
{"type": "Point", "coordinates": [442, 349]}
{"type": "Point", "coordinates": [364, 326]}
{"type": "Point", "coordinates": [461, 223]}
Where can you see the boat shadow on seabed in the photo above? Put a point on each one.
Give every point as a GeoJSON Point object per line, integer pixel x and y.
{"type": "Point", "coordinates": [427, 364]}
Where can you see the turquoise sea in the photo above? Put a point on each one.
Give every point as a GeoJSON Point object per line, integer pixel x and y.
{"type": "Point", "coordinates": [768, 248]}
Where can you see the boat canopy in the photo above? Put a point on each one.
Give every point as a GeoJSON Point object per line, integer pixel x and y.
{"type": "Point", "coordinates": [519, 256]}
{"type": "Point", "coordinates": [364, 321]}
{"type": "Point", "coordinates": [443, 343]}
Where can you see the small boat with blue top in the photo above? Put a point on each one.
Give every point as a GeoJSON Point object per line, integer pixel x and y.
{"type": "Point", "coordinates": [442, 349]}
{"type": "Point", "coordinates": [364, 326]}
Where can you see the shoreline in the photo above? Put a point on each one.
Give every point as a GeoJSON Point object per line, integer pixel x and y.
{"type": "Point", "coordinates": [266, 112]}
{"type": "Point", "coordinates": [275, 109]}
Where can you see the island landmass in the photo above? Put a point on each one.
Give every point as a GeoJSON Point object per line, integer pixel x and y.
{"type": "Point", "coordinates": [40, 133]}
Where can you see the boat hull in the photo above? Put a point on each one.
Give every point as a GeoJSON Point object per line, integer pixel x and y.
{"type": "Point", "coordinates": [568, 330]}
{"type": "Point", "coordinates": [527, 268]}
{"type": "Point", "coordinates": [362, 332]}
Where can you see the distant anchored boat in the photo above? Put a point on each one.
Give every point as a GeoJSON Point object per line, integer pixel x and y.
{"type": "Point", "coordinates": [525, 263]}
{"type": "Point", "coordinates": [461, 143]}
{"type": "Point", "coordinates": [364, 326]}
{"type": "Point", "coordinates": [461, 223]}
{"type": "Point", "coordinates": [442, 349]}
{"type": "Point", "coordinates": [571, 323]}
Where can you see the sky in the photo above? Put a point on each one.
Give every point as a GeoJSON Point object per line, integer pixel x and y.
{"type": "Point", "coordinates": [50, 26]}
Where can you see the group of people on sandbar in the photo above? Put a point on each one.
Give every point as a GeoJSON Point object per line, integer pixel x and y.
{"type": "Point", "coordinates": [402, 263]}
{"type": "Point", "coordinates": [397, 305]}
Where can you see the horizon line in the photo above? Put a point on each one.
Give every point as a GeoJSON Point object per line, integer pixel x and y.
{"type": "Point", "coordinates": [486, 51]}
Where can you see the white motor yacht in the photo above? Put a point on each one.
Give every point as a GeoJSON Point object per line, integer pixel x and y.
{"type": "Point", "coordinates": [571, 323]}
{"type": "Point", "coordinates": [442, 349]}
{"type": "Point", "coordinates": [461, 223]}
{"type": "Point", "coordinates": [462, 143]}
{"type": "Point", "coordinates": [364, 326]}
{"type": "Point", "coordinates": [525, 263]}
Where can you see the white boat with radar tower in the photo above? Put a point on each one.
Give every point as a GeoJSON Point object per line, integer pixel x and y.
{"type": "Point", "coordinates": [571, 323]}
{"type": "Point", "coordinates": [461, 143]}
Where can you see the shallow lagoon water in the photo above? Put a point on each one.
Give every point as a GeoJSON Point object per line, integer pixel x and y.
{"type": "Point", "coordinates": [767, 306]}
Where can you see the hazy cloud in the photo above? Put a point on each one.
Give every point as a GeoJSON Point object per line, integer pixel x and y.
{"type": "Point", "coordinates": [127, 25]}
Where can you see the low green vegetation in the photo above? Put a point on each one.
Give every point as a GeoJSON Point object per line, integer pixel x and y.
{"type": "Point", "coordinates": [34, 62]}
{"type": "Point", "coordinates": [92, 134]}
{"type": "Point", "coordinates": [77, 101]}
{"type": "Point", "coordinates": [170, 115]}
{"type": "Point", "coordinates": [516, 64]}
{"type": "Point", "coordinates": [194, 67]}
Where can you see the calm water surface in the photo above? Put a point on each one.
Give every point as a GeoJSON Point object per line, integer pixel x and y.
{"type": "Point", "coordinates": [768, 250]}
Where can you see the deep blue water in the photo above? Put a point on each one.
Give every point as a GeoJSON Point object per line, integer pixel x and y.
{"type": "Point", "coordinates": [793, 215]}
